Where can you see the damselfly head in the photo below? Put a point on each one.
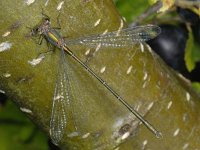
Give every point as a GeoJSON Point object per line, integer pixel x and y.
{"type": "Point", "coordinates": [41, 28]}
{"type": "Point", "coordinates": [35, 31]}
{"type": "Point", "coordinates": [46, 21]}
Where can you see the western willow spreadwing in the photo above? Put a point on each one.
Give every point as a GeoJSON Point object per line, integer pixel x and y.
{"type": "Point", "coordinates": [121, 38]}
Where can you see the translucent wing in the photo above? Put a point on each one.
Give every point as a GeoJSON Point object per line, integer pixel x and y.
{"type": "Point", "coordinates": [124, 37]}
{"type": "Point", "coordinates": [60, 102]}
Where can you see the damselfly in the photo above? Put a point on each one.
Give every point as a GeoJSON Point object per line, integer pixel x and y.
{"type": "Point", "coordinates": [123, 37]}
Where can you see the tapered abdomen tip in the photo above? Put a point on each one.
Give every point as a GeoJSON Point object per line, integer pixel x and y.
{"type": "Point", "coordinates": [159, 135]}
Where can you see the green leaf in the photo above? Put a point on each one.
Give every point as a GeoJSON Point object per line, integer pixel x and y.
{"type": "Point", "coordinates": [167, 4]}
{"type": "Point", "coordinates": [189, 61]}
{"type": "Point", "coordinates": [192, 53]}
{"type": "Point", "coordinates": [196, 52]}
{"type": "Point", "coordinates": [17, 132]}
{"type": "Point", "coordinates": [130, 9]}
{"type": "Point", "coordinates": [196, 86]}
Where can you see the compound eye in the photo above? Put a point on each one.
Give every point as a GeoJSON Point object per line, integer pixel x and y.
{"type": "Point", "coordinates": [47, 19]}
{"type": "Point", "coordinates": [34, 31]}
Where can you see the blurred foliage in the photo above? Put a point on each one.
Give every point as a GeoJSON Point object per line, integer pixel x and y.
{"type": "Point", "coordinates": [132, 9]}
{"type": "Point", "coordinates": [17, 131]}
{"type": "Point", "coordinates": [192, 53]}
{"type": "Point", "coordinates": [189, 59]}
{"type": "Point", "coordinates": [167, 4]}
{"type": "Point", "coordinates": [196, 86]}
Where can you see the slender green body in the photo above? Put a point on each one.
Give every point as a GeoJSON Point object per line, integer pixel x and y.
{"type": "Point", "coordinates": [116, 39]}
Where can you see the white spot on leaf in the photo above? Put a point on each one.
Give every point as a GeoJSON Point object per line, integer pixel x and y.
{"type": "Point", "coordinates": [36, 61]}
{"type": "Point", "coordinates": [145, 76]}
{"type": "Point", "coordinates": [73, 134]}
{"type": "Point", "coordinates": [169, 105]}
{"type": "Point", "coordinates": [129, 69]}
{"type": "Point", "coordinates": [87, 52]}
{"type": "Point", "coordinates": [124, 18]}
{"type": "Point", "coordinates": [6, 34]}
{"type": "Point", "coordinates": [85, 135]}
{"type": "Point", "coordinates": [5, 46]}
{"type": "Point", "coordinates": [144, 84]}
{"type": "Point", "coordinates": [121, 24]}
{"type": "Point", "coordinates": [98, 47]}
{"type": "Point", "coordinates": [1, 91]}
{"type": "Point", "coordinates": [142, 47]}
{"type": "Point", "coordinates": [125, 135]}
{"type": "Point", "coordinates": [29, 2]}
{"type": "Point", "coordinates": [144, 144]}
{"type": "Point", "coordinates": [103, 69]}
{"type": "Point", "coordinates": [7, 75]}
{"type": "Point", "coordinates": [149, 48]}
{"type": "Point", "coordinates": [187, 96]}
{"type": "Point", "coordinates": [120, 27]}
{"type": "Point", "coordinates": [46, 3]}
{"type": "Point", "coordinates": [150, 105]}
{"type": "Point", "coordinates": [97, 22]}
{"type": "Point", "coordinates": [25, 110]}
{"type": "Point", "coordinates": [185, 146]}
{"type": "Point", "coordinates": [176, 132]}
{"type": "Point", "coordinates": [105, 32]}
{"type": "Point", "coordinates": [60, 5]}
